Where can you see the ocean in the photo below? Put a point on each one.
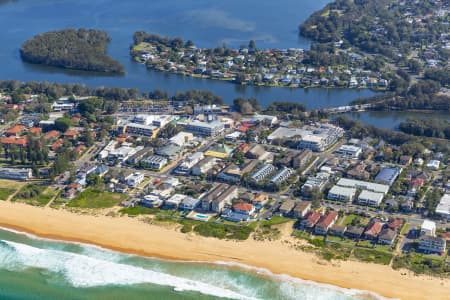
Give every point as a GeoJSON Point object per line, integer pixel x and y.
{"type": "Point", "coordinates": [32, 268]}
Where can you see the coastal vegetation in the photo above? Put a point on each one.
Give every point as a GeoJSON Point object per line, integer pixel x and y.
{"type": "Point", "coordinates": [96, 198]}
{"type": "Point", "coordinates": [82, 49]}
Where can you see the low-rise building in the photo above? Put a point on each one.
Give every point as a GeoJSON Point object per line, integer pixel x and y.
{"type": "Point", "coordinates": [185, 166]}
{"type": "Point", "coordinates": [315, 182]}
{"type": "Point", "coordinates": [349, 151]}
{"type": "Point", "coordinates": [370, 198]}
{"type": "Point", "coordinates": [325, 222]}
{"type": "Point", "coordinates": [203, 166]}
{"type": "Point", "coordinates": [134, 179]}
{"type": "Point", "coordinates": [244, 208]}
{"type": "Point", "coordinates": [301, 209]}
{"type": "Point", "coordinates": [432, 244]}
{"type": "Point", "coordinates": [300, 160]}
{"type": "Point", "coordinates": [373, 230]}
{"type": "Point", "coordinates": [428, 228]}
{"type": "Point", "coordinates": [154, 162]}
{"type": "Point", "coordinates": [287, 207]}
{"type": "Point", "coordinates": [190, 203]}
{"type": "Point", "coordinates": [310, 219]}
{"type": "Point", "coordinates": [16, 174]}
{"type": "Point", "coordinates": [281, 176]}
{"type": "Point", "coordinates": [337, 230]}
{"type": "Point", "coordinates": [181, 138]}
{"type": "Point", "coordinates": [262, 172]}
{"type": "Point", "coordinates": [354, 232]}
{"type": "Point", "coordinates": [363, 185]}
{"type": "Point", "coordinates": [443, 208]}
{"type": "Point", "coordinates": [174, 201]}
{"type": "Point", "coordinates": [388, 175]}
{"type": "Point", "coordinates": [387, 236]}
{"type": "Point", "coordinates": [205, 129]}
{"type": "Point", "coordinates": [151, 201]}
{"type": "Point", "coordinates": [344, 194]}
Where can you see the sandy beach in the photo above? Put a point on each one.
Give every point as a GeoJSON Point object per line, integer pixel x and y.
{"type": "Point", "coordinates": [130, 235]}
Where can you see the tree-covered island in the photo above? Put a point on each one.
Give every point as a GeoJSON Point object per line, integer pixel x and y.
{"type": "Point", "coordinates": [82, 49]}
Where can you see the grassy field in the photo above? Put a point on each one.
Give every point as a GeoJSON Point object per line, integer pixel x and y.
{"type": "Point", "coordinates": [9, 187]}
{"type": "Point", "coordinates": [93, 198]}
{"type": "Point", "coordinates": [139, 210]}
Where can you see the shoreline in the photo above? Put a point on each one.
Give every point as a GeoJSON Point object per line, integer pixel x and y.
{"type": "Point", "coordinates": [129, 235]}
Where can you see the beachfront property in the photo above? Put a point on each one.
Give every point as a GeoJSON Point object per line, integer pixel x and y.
{"type": "Point", "coordinates": [443, 208]}
{"type": "Point", "coordinates": [174, 201]}
{"type": "Point", "coordinates": [310, 220]}
{"type": "Point", "coordinates": [370, 198]}
{"type": "Point", "coordinates": [373, 230]}
{"type": "Point", "coordinates": [325, 222]}
{"type": "Point", "coordinates": [213, 128]}
{"type": "Point", "coordinates": [343, 194]}
{"type": "Point", "coordinates": [220, 195]}
{"type": "Point", "coordinates": [432, 244]}
{"type": "Point", "coordinates": [387, 236]}
{"type": "Point", "coordinates": [287, 207]}
{"type": "Point", "coordinates": [23, 174]}
{"type": "Point", "coordinates": [349, 151]}
{"type": "Point", "coordinates": [151, 201]}
{"type": "Point", "coordinates": [301, 209]}
{"type": "Point", "coordinates": [190, 203]}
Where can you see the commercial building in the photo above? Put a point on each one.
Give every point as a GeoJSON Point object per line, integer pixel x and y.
{"type": "Point", "coordinates": [319, 137]}
{"type": "Point", "coordinates": [388, 175]}
{"type": "Point", "coordinates": [16, 174]}
{"type": "Point", "coordinates": [349, 151]}
{"type": "Point", "coordinates": [139, 129]}
{"type": "Point", "coordinates": [123, 153]}
{"type": "Point", "coordinates": [213, 128]}
{"type": "Point", "coordinates": [370, 198]}
{"type": "Point", "coordinates": [181, 138]}
{"type": "Point", "coordinates": [344, 194]}
{"type": "Point", "coordinates": [169, 151]}
{"type": "Point", "coordinates": [363, 185]}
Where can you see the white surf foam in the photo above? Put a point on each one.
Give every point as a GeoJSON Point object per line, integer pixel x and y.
{"type": "Point", "coordinates": [83, 271]}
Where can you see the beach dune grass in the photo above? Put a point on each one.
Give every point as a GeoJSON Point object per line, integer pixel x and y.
{"type": "Point", "coordinates": [96, 198]}
{"type": "Point", "coordinates": [139, 210]}
{"type": "Point", "coordinates": [5, 193]}
{"type": "Point", "coordinates": [35, 194]}
{"type": "Point", "coordinates": [373, 256]}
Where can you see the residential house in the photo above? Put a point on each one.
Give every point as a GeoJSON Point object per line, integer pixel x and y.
{"type": "Point", "coordinates": [387, 236]}
{"type": "Point", "coordinates": [300, 160]}
{"type": "Point", "coordinates": [287, 207]}
{"type": "Point", "coordinates": [354, 232]}
{"type": "Point", "coordinates": [244, 208]}
{"type": "Point", "coordinates": [301, 209]}
{"type": "Point", "coordinates": [310, 219]}
{"type": "Point", "coordinates": [325, 222]}
{"type": "Point", "coordinates": [373, 230]}
{"type": "Point", "coordinates": [337, 230]}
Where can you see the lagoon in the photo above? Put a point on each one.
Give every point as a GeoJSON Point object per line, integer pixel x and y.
{"type": "Point", "coordinates": [207, 23]}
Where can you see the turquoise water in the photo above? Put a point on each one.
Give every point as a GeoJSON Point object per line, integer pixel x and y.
{"type": "Point", "coordinates": [35, 269]}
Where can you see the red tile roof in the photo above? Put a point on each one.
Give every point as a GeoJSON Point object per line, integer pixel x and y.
{"type": "Point", "coordinates": [395, 223]}
{"type": "Point", "coordinates": [374, 228]}
{"type": "Point", "coordinates": [327, 219]}
{"type": "Point", "coordinates": [15, 129]}
{"type": "Point", "coordinates": [312, 217]}
{"type": "Point", "coordinates": [14, 141]}
{"type": "Point", "coordinates": [243, 206]}
{"type": "Point", "coordinates": [71, 133]}
{"type": "Point", "coordinates": [53, 134]}
{"type": "Point", "coordinates": [35, 130]}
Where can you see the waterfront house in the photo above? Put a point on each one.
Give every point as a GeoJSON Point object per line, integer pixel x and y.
{"type": "Point", "coordinates": [337, 230]}
{"type": "Point", "coordinates": [287, 207]}
{"type": "Point", "coordinates": [301, 209]}
{"type": "Point", "coordinates": [325, 222]}
{"type": "Point", "coordinates": [354, 232]}
{"type": "Point", "coordinates": [373, 230]}
{"type": "Point", "coordinates": [387, 236]}
{"type": "Point", "coordinates": [310, 220]}
{"type": "Point", "coordinates": [432, 244]}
